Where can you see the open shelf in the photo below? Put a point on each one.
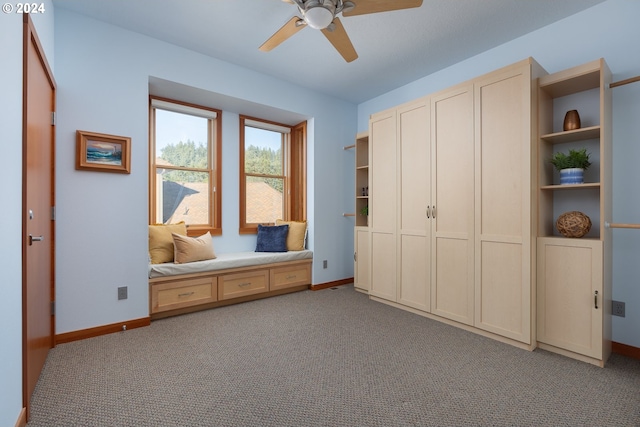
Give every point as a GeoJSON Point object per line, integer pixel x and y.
{"type": "Point", "coordinates": [362, 177]}
{"type": "Point", "coordinates": [591, 132]}
{"type": "Point", "coordinates": [571, 186]}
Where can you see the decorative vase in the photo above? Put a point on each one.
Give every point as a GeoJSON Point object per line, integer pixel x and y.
{"type": "Point", "coordinates": [571, 176]}
{"type": "Point", "coordinates": [571, 120]}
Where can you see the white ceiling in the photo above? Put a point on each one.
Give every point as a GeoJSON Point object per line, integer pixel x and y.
{"type": "Point", "coordinates": [394, 48]}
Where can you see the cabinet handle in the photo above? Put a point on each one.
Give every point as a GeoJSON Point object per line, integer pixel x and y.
{"type": "Point", "coordinates": [595, 300]}
{"type": "Point", "coordinates": [245, 284]}
{"type": "Point", "coordinates": [433, 212]}
{"type": "Point", "coordinates": [428, 215]}
{"type": "Point", "coordinates": [355, 257]}
{"type": "Point", "coordinates": [186, 294]}
{"type": "Point", "coordinates": [292, 276]}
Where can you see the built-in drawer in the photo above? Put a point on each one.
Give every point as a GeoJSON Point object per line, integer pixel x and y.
{"type": "Point", "coordinates": [183, 293]}
{"type": "Point", "coordinates": [290, 275]}
{"type": "Point", "coordinates": [236, 285]}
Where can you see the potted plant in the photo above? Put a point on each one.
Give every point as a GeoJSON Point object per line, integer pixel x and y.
{"type": "Point", "coordinates": [365, 211]}
{"type": "Point", "coordinates": [571, 166]}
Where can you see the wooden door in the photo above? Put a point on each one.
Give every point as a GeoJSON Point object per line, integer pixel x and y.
{"type": "Point", "coordinates": [38, 202]}
{"type": "Point", "coordinates": [570, 303]}
{"type": "Point", "coordinates": [452, 197]}
{"type": "Point", "coordinates": [362, 259]}
{"type": "Point", "coordinates": [382, 204]}
{"type": "Point", "coordinates": [414, 189]}
{"type": "Point", "coordinates": [504, 201]}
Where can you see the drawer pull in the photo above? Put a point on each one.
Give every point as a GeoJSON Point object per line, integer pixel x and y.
{"type": "Point", "coordinates": [291, 276]}
{"type": "Point", "coordinates": [186, 294]}
{"type": "Point", "coordinates": [244, 284]}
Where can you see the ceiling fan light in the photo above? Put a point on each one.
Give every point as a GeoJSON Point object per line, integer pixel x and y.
{"type": "Point", "coordinates": [318, 17]}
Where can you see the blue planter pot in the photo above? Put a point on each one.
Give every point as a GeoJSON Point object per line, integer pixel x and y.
{"type": "Point", "coordinates": [571, 176]}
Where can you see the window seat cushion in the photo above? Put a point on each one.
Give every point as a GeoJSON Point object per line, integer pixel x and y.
{"type": "Point", "coordinates": [226, 261]}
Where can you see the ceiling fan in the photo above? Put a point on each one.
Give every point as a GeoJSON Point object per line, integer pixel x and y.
{"type": "Point", "coordinates": [323, 15]}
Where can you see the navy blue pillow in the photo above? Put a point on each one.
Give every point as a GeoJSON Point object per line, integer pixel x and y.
{"type": "Point", "coordinates": [272, 238]}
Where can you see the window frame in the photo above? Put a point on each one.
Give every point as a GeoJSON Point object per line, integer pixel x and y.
{"type": "Point", "coordinates": [214, 168]}
{"type": "Point", "coordinates": [294, 170]}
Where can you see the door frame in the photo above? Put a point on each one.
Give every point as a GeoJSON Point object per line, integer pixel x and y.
{"type": "Point", "coordinates": [31, 37]}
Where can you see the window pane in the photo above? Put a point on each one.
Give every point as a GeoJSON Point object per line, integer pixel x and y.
{"type": "Point", "coordinates": [181, 139]}
{"type": "Point", "coordinates": [264, 201]}
{"type": "Point", "coordinates": [182, 196]}
{"type": "Point", "coordinates": [262, 151]}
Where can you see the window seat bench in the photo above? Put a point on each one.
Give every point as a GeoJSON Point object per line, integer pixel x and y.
{"type": "Point", "coordinates": [228, 279]}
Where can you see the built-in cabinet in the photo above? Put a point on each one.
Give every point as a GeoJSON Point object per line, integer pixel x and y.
{"type": "Point", "coordinates": [574, 274]}
{"type": "Point", "coordinates": [463, 203]}
{"type": "Point", "coordinates": [453, 186]}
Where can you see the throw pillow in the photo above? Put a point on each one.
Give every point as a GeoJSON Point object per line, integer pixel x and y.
{"type": "Point", "coordinates": [297, 234]}
{"type": "Point", "coordinates": [190, 249]}
{"type": "Point", "coordinates": [272, 238]}
{"type": "Point", "coordinates": [161, 242]}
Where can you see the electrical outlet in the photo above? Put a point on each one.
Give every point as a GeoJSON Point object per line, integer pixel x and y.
{"type": "Point", "coordinates": [325, 263]}
{"type": "Point", "coordinates": [122, 292]}
{"type": "Point", "coordinates": [617, 308]}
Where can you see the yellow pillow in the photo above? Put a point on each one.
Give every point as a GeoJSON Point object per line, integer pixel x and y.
{"type": "Point", "coordinates": [297, 234]}
{"type": "Point", "coordinates": [161, 242]}
{"type": "Point", "coordinates": [190, 249]}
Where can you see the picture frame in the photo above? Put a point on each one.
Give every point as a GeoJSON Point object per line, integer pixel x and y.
{"type": "Point", "coordinates": [103, 153]}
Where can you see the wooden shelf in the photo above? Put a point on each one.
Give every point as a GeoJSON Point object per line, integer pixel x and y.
{"type": "Point", "coordinates": [592, 132]}
{"type": "Point", "coordinates": [587, 185]}
{"type": "Point", "coordinates": [572, 80]}
{"type": "Point", "coordinates": [572, 239]}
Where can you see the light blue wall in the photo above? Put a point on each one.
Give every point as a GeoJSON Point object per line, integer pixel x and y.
{"type": "Point", "coordinates": [102, 73]}
{"type": "Point", "coordinates": [609, 30]}
{"type": "Point", "coordinates": [11, 225]}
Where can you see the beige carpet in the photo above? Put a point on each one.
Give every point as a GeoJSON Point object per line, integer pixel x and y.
{"type": "Point", "coordinates": [324, 358]}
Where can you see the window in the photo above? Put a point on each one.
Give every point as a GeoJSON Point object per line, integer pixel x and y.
{"type": "Point", "coordinates": [272, 173]}
{"type": "Point", "coordinates": [184, 166]}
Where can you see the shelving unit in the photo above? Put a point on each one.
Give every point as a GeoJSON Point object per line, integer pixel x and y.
{"type": "Point", "coordinates": [574, 274]}
{"type": "Point", "coordinates": [362, 177]}
{"type": "Point", "coordinates": [361, 231]}
{"type": "Point", "coordinates": [577, 88]}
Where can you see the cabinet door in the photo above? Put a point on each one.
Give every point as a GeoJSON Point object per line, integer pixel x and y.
{"type": "Point", "coordinates": [570, 295]}
{"type": "Point", "coordinates": [361, 259]}
{"type": "Point", "coordinates": [382, 204]}
{"type": "Point", "coordinates": [504, 193]}
{"type": "Point", "coordinates": [415, 197]}
{"type": "Point", "coordinates": [452, 280]}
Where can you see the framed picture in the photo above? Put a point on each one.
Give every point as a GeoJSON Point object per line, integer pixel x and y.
{"type": "Point", "coordinates": [103, 153]}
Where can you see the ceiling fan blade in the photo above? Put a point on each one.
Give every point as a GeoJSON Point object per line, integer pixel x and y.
{"type": "Point", "coordinates": [340, 40]}
{"type": "Point", "coordinates": [286, 31]}
{"type": "Point", "coordinates": [374, 6]}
